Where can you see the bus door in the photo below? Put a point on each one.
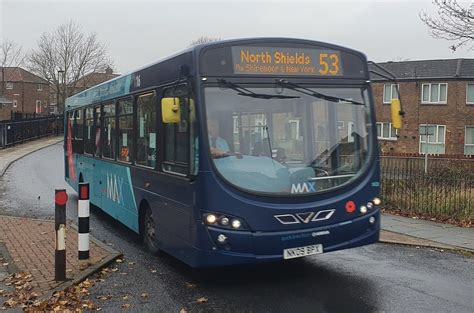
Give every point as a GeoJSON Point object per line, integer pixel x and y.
{"type": "Point", "coordinates": [178, 162]}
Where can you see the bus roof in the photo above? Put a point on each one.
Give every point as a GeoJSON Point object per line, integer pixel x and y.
{"type": "Point", "coordinates": [138, 79]}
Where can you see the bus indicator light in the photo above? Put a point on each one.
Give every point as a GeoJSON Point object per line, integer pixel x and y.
{"type": "Point", "coordinates": [350, 206]}
{"type": "Point", "coordinates": [84, 192]}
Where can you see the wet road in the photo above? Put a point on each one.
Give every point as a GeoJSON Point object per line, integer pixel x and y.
{"type": "Point", "coordinates": [377, 278]}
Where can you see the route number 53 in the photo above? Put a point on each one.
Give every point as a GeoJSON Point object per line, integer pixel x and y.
{"type": "Point", "coordinates": [329, 64]}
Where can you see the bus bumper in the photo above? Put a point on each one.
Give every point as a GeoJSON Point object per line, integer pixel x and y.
{"type": "Point", "coordinates": [257, 247]}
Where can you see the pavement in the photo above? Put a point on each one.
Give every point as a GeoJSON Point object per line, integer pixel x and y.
{"type": "Point", "coordinates": [14, 153]}
{"type": "Point", "coordinates": [28, 244]}
{"type": "Point", "coordinates": [27, 248]}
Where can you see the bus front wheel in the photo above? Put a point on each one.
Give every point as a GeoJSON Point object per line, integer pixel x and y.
{"type": "Point", "coordinates": [149, 232]}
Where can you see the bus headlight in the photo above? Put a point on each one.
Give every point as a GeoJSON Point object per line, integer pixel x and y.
{"type": "Point", "coordinates": [211, 218]}
{"type": "Point", "coordinates": [363, 209]}
{"type": "Point", "coordinates": [236, 224]}
{"type": "Point", "coordinates": [377, 201]}
{"type": "Point", "coordinates": [370, 205]}
{"type": "Point", "coordinates": [222, 220]}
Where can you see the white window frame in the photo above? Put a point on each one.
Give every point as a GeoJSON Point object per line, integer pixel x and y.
{"type": "Point", "coordinates": [390, 125]}
{"type": "Point", "coordinates": [297, 126]}
{"type": "Point", "coordinates": [340, 124]}
{"type": "Point", "coordinates": [436, 142]}
{"type": "Point", "coordinates": [39, 109]}
{"type": "Point", "coordinates": [8, 85]}
{"type": "Point", "coordinates": [15, 103]}
{"type": "Point", "coordinates": [236, 124]}
{"type": "Point", "coordinates": [393, 90]}
{"type": "Point", "coordinates": [40, 87]}
{"type": "Point", "coordinates": [465, 137]}
{"type": "Point", "coordinates": [429, 93]}
{"type": "Point", "coordinates": [467, 92]}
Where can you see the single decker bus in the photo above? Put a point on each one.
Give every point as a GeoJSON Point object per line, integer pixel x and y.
{"type": "Point", "coordinates": [234, 152]}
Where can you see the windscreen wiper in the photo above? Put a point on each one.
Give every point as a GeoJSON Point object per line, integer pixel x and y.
{"type": "Point", "coordinates": [313, 93]}
{"type": "Point", "coordinates": [241, 91]}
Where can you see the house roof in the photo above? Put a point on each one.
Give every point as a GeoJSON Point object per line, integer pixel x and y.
{"type": "Point", "coordinates": [17, 74]}
{"type": "Point", "coordinates": [94, 78]}
{"type": "Point", "coordinates": [427, 69]}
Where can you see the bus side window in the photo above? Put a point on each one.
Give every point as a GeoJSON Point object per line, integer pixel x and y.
{"type": "Point", "coordinates": [97, 132]}
{"type": "Point", "coordinates": [177, 135]}
{"type": "Point", "coordinates": [108, 138]}
{"type": "Point", "coordinates": [79, 139]}
{"type": "Point", "coordinates": [146, 130]}
{"type": "Point", "coordinates": [89, 133]}
{"type": "Point", "coordinates": [125, 129]}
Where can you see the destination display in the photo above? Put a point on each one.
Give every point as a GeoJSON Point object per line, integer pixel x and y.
{"type": "Point", "coordinates": [286, 61]}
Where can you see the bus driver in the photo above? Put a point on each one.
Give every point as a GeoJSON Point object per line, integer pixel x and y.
{"type": "Point", "coordinates": [219, 146]}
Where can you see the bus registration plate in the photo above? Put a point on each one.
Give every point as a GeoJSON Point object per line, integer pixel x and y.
{"type": "Point", "coordinates": [302, 251]}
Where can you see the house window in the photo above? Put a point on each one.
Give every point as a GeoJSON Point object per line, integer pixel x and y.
{"type": "Point", "coordinates": [389, 92]}
{"type": "Point", "coordinates": [470, 93]}
{"type": "Point", "coordinates": [8, 85]}
{"type": "Point", "coordinates": [15, 103]}
{"type": "Point", "coordinates": [434, 93]}
{"type": "Point", "coordinates": [469, 140]}
{"type": "Point", "coordinates": [385, 131]}
{"type": "Point", "coordinates": [434, 142]}
{"type": "Point", "coordinates": [40, 87]}
{"type": "Point", "coordinates": [340, 124]}
{"type": "Point", "coordinates": [39, 109]}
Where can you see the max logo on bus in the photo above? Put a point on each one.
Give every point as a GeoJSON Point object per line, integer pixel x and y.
{"type": "Point", "coordinates": [114, 188]}
{"type": "Point", "coordinates": [303, 187]}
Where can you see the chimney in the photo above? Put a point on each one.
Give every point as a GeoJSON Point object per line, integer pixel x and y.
{"type": "Point", "coordinates": [109, 71]}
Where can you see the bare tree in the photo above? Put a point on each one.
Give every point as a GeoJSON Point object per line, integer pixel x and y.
{"type": "Point", "coordinates": [454, 22]}
{"type": "Point", "coordinates": [65, 55]}
{"type": "Point", "coordinates": [10, 55]}
{"type": "Point", "coordinates": [204, 39]}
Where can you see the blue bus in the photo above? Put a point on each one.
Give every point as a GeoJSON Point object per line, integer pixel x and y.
{"type": "Point", "coordinates": [234, 152]}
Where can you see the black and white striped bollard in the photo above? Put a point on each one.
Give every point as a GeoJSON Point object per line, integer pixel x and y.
{"type": "Point", "coordinates": [83, 222]}
{"type": "Point", "coordinates": [60, 200]}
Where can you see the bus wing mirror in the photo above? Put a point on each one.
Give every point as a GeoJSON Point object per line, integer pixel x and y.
{"type": "Point", "coordinates": [170, 111]}
{"type": "Point", "coordinates": [395, 109]}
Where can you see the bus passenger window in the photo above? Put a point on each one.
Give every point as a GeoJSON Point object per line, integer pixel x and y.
{"type": "Point", "coordinates": [109, 131]}
{"type": "Point", "coordinates": [97, 131]}
{"type": "Point", "coordinates": [89, 136]}
{"type": "Point", "coordinates": [146, 132]}
{"type": "Point", "coordinates": [125, 130]}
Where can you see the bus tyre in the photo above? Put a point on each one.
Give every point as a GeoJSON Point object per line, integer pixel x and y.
{"type": "Point", "coordinates": [149, 232]}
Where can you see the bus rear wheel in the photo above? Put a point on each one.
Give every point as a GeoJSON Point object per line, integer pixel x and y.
{"type": "Point", "coordinates": [149, 232]}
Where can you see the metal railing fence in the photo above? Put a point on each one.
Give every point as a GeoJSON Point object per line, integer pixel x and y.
{"type": "Point", "coordinates": [18, 131]}
{"type": "Point", "coordinates": [445, 191]}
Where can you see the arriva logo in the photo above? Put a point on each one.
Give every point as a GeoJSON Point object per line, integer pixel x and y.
{"type": "Point", "coordinates": [303, 187]}
{"type": "Point", "coordinates": [114, 188]}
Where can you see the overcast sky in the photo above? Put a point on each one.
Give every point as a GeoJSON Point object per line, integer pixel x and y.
{"type": "Point", "coordinates": [139, 32]}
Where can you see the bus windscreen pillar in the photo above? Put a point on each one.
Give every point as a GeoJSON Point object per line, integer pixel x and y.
{"type": "Point", "coordinates": [83, 221]}
{"type": "Point", "coordinates": [60, 200]}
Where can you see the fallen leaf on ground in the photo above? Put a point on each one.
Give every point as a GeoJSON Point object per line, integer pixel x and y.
{"type": "Point", "coordinates": [125, 298]}
{"type": "Point", "coordinates": [189, 285]}
{"type": "Point", "coordinates": [183, 310]}
{"type": "Point", "coordinates": [126, 305]}
{"type": "Point", "coordinates": [144, 295]}
{"type": "Point", "coordinates": [202, 300]}
{"type": "Point", "coordinates": [153, 271]}
{"type": "Point", "coordinates": [119, 261]}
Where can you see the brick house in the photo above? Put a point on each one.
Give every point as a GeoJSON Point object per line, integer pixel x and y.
{"type": "Point", "coordinates": [437, 93]}
{"type": "Point", "coordinates": [25, 93]}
